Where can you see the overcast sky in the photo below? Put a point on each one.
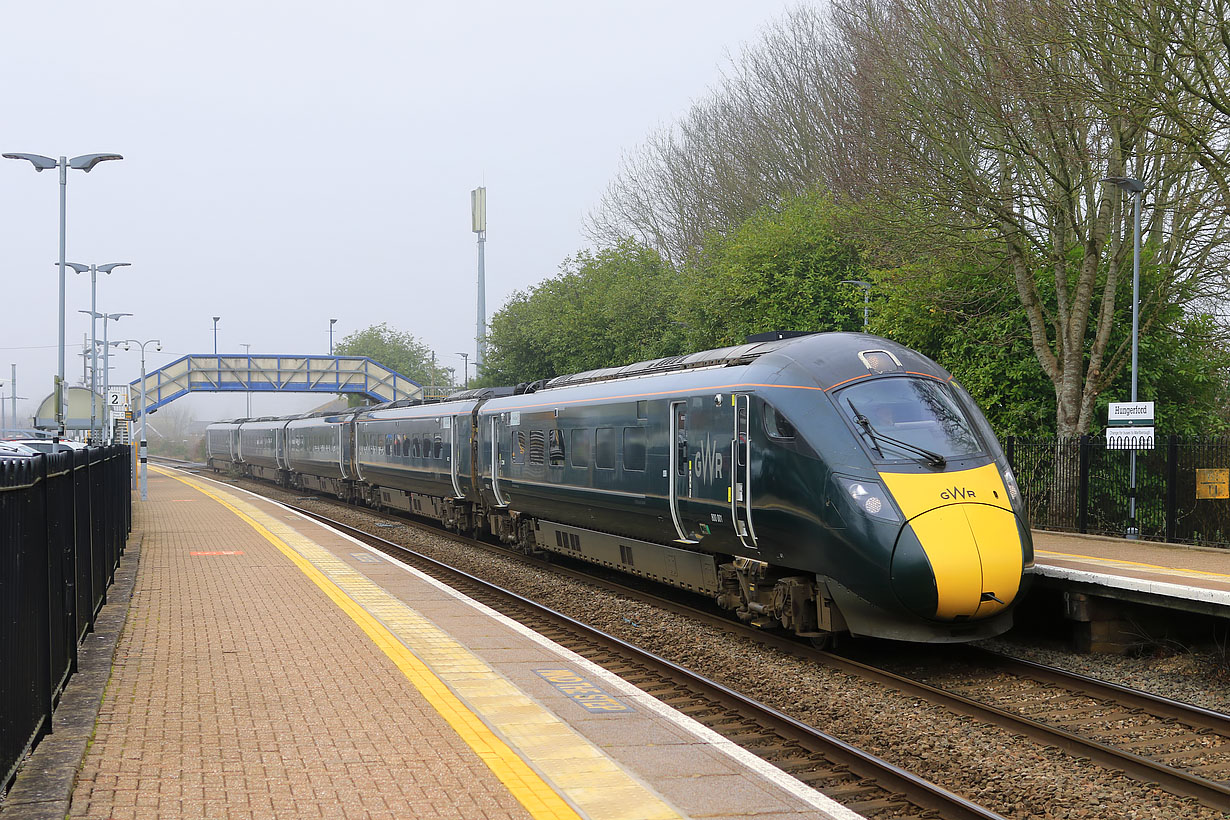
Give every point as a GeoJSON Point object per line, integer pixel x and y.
{"type": "Point", "coordinates": [289, 162]}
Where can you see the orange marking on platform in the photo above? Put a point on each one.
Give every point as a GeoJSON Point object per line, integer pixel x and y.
{"type": "Point", "coordinates": [218, 552]}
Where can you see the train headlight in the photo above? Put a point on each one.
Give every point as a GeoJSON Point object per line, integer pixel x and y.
{"type": "Point", "coordinates": [871, 498]}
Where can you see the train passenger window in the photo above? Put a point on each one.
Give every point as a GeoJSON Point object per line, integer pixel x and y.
{"type": "Point", "coordinates": [634, 448]}
{"type": "Point", "coordinates": [388, 445]}
{"type": "Point", "coordinates": [415, 449]}
{"type": "Point", "coordinates": [642, 409]}
{"type": "Point", "coordinates": [538, 447]}
{"type": "Point", "coordinates": [604, 453]}
{"type": "Point", "coordinates": [518, 450]}
{"type": "Point", "coordinates": [580, 447]}
{"type": "Point", "coordinates": [437, 447]}
{"type": "Point", "coordinates": [426, 447]}
{"type": "Point", "coordinates": [775, 424]}
{"type": "Point", "coordinates": [555, 448]}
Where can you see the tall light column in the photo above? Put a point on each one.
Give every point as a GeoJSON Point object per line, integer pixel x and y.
{"type": "Point", "coordinates": [478, 217]}
{"type": "Point", "coordinates": [93, 311]}
{"type": "Point", "coordinates": [106, 391]}
{"type": "Point", "coordinates": [465, 367]}
{"type": "Point", "coordinates": [143, 449]}
{"type": "Point", "coordinates": [85, 162]}
{"type": "Point", "coordinates": [866, 286]}
{"type": "Point", "coordinates": [247, 350]}
{"type": "Point", "coordinates": [332, 322]}
{"type": "Point", "coordinates": [1135, 187]}
{"type": "Point", "coordinates": [13, 384]}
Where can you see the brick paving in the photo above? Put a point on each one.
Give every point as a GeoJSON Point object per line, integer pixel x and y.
{"type": "Point", "coordinates": [228, 701]}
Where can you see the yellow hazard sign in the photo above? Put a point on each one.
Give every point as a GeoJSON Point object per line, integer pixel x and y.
{"type": "Point", "coordinates": [1213, 483]}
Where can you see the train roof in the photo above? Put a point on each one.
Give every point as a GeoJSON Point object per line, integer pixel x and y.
{"type": "Point", "coordinates": [831, 358]}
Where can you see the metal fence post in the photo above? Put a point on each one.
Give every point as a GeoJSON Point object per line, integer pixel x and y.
{"type": "Point", "coordinates": [1172, 487]}
{"type": "Point", "coordinates": [1082, 481]}
{"type": "Point", "coordinates": [1010, 452]}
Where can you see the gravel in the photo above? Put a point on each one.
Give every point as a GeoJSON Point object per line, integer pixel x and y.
{"type": "Point", "coordinates": [1010, 775]}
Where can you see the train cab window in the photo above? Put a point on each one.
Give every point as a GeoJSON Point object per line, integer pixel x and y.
{"type": "Point", "coordinates": [634, 448]}
{"type": "Point", "coordinates": [896, 418]}
{"type": "Point", "coordinates": [437, 447]}
{"type": "Point", "coordinates": [555, 448]}
{"type": "Point", "coordinates": [604, 453]}
{"type": "Point", "coordinates": [775, 424]}
{"type": "Point", "coordinates": [580, 447]}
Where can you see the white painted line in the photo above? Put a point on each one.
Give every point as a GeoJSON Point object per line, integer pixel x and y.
{"type": "Point", "coordinates": [1160, 588]}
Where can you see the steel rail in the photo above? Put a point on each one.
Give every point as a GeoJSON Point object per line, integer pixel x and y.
{"type": "Point", "coordinates": [1211, 793]}
{"type": "Point", "coordinates": [892, 778]}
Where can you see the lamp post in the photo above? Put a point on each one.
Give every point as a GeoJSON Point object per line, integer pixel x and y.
{"type": "Point", "coordinates": [866, 286]}
{"type": "Point", "coordinates": [332, 322]}
{"type": "Point", "coordinates": [94, 269]}
{"type": "Point", "coordinates": [1135, 187]}
{"type": "Point", "coordinates": [465, 367]}
{"type": "Point", "coordinates": [478, 217]}
{"type": "Point", "coordinates": [247, 351]}
{"type": "Point", "coordinates": [106, 391]}
{"type": "Point", "coordinates": [85, 162]}
{"type": "Point", "coordinates": [216, 318]}
{"type": "Point", "coordinates": [142, 454]}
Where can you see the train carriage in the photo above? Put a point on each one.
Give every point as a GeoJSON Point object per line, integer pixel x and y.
{"type": "Point", "coordinates": [827, 483]}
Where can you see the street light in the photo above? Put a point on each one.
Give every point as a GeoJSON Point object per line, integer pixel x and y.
{"type": "Point", "coordinates": [216, 318]}
{"type": "Point", "coordinates": [85, 162]}
{"type": "Point", "coordinates": [465, 367]}
{"type": "Point", "coordinates": [142, 450]}
{"type": "Point", "coordinates": [866, 286]}
{"type": "Point", "coordinates": [94, 269]}
{"type": "Point", "coordinates": [247, 350]}
{"type": "Point", "coordinates": [332, 322]}
{"type": "Point", "coordinates": [106, 317]}
{"type": "Point", "coordinates": [1135, 187]}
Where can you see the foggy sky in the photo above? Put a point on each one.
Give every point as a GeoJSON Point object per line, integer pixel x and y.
{"type": "Point", "coordinates": [289, 162]}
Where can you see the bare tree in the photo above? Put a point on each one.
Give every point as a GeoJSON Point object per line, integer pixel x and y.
{"type": "Point", "coordinates": [980, 123]}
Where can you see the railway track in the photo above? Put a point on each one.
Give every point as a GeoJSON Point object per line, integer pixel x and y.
{"type": "Point", "coordinates": [1182, 748]}
{"type": "Point", "coordinates": [857, 779]}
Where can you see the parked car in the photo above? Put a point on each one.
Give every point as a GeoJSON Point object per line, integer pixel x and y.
{"type": "Point", "coordinates": [13, 449]}
{"type": "Point", "coordinates": [45, 445]}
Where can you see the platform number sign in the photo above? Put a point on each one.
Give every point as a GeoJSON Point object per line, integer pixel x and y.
{"type": "Point", "coordinates": [117, 399]}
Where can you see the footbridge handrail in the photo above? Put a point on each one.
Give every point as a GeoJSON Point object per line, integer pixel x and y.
{"type": "Point", "coordinates": [272, 373]}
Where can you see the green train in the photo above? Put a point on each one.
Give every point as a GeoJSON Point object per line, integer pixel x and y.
{"type": "Point", "coordinates": [824, 483]}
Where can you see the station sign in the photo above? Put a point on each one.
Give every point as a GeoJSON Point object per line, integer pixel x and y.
{"type": "Point", "coordinates": [1129, 438]}
{"type": "Point", "coordinates": [1130, 413]}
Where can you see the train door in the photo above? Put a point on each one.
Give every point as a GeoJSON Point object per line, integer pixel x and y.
{"type": "Point", "coordinates": [499, 455]}
{"type": "Point", "coordinates": [680, 466]}
{"type": "Point", "coordinates": [741, 472]}
{"type": "Point", "coordinates": [454, 455]}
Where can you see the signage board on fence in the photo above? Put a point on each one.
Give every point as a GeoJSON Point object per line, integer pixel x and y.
{"type": "Point", "coordinates": [1212, 483]}
{"type": "Point", "coordinates": [1129, 438]}
{"type": "Point", "coordinates": [1130, 413]}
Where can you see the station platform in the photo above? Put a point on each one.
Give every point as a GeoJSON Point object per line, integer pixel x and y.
{"type": "Point", "coordinates": [1173, 576]}
{"type": "Point", "coordinates": [271, 666]}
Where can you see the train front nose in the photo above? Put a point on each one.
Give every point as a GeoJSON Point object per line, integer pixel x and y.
{"type": "Point", "coordinates": [958, 562]}
{"type": "Point", "coordinates": [960, 554]}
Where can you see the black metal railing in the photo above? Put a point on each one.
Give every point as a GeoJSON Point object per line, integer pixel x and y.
{"type": "Point", "coordinates": [64, 521]}
{"type": "Point", "coordinates": [1078, 485]}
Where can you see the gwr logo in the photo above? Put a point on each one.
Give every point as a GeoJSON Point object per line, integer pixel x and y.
{"type": "Point", "coordinates": [957, 492]}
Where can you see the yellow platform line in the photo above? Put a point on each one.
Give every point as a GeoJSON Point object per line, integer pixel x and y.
{"type": "Point", "coordinates": [1115, 562]}
{"type": "Point", "coordinates": [488, 712]}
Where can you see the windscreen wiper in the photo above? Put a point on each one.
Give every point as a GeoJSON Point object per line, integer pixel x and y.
{"type": "Point", "coordinates": [875, 436]}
